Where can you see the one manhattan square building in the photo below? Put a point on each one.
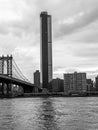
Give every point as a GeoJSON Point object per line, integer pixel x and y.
{"type": "Point", "coordinates": [46, 49]}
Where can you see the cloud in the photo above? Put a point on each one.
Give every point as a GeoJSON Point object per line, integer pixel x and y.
{"type": "Point", "coordinates": [17, 17]}
{"type": "Point", "coordinates": [89, 34]}
{"type": "Point", "coordinates": [78, 21]}
{"type": "Point", "coordinates": [90, 38]}
{"type": "Point", "coordinates": [86, 51]}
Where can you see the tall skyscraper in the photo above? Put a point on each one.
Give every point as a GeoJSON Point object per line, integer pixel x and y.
{"type": "Point", "coordinates": [46, 49]}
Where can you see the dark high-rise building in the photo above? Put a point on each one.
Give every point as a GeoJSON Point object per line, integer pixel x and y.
{"type": "Point", "coordinates": [96, 82]}
{"type": "Point", "coordinates": [46, 49]}
{"type": "Point", "coordinates": [57, 85]}
{"type": "Point", "coordinates": [90, 85]}
{"type": "Point", "coordinates": [37, 80]}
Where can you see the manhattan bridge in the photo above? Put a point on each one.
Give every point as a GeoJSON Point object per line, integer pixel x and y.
{"type": "Point", "coordinates": [10, 75]}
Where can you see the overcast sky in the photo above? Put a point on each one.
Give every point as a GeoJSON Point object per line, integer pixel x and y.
{"type": "Point", "coordinates": [74, 30]}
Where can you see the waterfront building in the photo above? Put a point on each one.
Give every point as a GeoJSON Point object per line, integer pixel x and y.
{"type": "Point", "coordinates": [90, 85]}
{"type": "Point", "coordinates": [57, 85]}
{"type": "Point", "coordinates": [96, 83]}
{"type": "Point", "coordinates": [37, 80]}
{"type": "Point", "coordinates": [46, 49]}
{"type": "Point", "coordinates": [75, 82]}
{"type": "Point", "coordinates": [68, 82]}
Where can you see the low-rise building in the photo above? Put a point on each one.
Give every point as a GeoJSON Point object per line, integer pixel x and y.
{"type": "Point", "coordinates": [90, 86]}
{"type": "Point", "coordinates": [57, 85]}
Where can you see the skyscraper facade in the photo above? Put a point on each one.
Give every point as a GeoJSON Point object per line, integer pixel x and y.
{"type": "Point", "coordinates": [46, 49]}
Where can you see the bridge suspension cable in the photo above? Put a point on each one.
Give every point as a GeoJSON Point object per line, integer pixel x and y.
{"type": "Point", "coordinates": [18, 71]}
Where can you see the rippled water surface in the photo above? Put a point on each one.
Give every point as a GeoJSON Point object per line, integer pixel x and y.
{"type": "Point", "coordinates": [78, 113]}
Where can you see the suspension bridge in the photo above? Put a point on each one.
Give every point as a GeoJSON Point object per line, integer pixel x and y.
{"type": "Point", "coordinates": [10, 75]}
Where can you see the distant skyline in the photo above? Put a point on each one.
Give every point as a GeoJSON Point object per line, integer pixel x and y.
{"type": "Point", "coordinates": [75, 34]}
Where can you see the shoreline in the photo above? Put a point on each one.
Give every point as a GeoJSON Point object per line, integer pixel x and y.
{"type": "Point", "coordinates": [33, 95]}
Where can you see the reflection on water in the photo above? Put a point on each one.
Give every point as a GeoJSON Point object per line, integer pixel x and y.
{"type": "Point", "coordinates": [47, 115]}
{"type": "Point", "coordinates": [80, 113]}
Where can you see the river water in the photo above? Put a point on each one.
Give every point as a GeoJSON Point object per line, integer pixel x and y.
{"type": "Point", "coordinates": [74, 113]}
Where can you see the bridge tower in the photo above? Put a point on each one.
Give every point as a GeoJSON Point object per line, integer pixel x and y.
{"type": "Point", "coordinates": [6, 69]}
{"type": "Point", "coordinates": [8, 60]}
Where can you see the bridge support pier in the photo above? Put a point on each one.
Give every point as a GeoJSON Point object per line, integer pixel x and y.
{"type": "Point", "coordinates": [6, 89]}
{"type": "Point", "coordinates": [2, 89]}
{"type": "Point", "coordinates": [9, 86]}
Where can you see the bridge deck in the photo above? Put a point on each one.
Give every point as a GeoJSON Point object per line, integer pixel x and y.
{"type": "Point", "coordinates": [7, 79]}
